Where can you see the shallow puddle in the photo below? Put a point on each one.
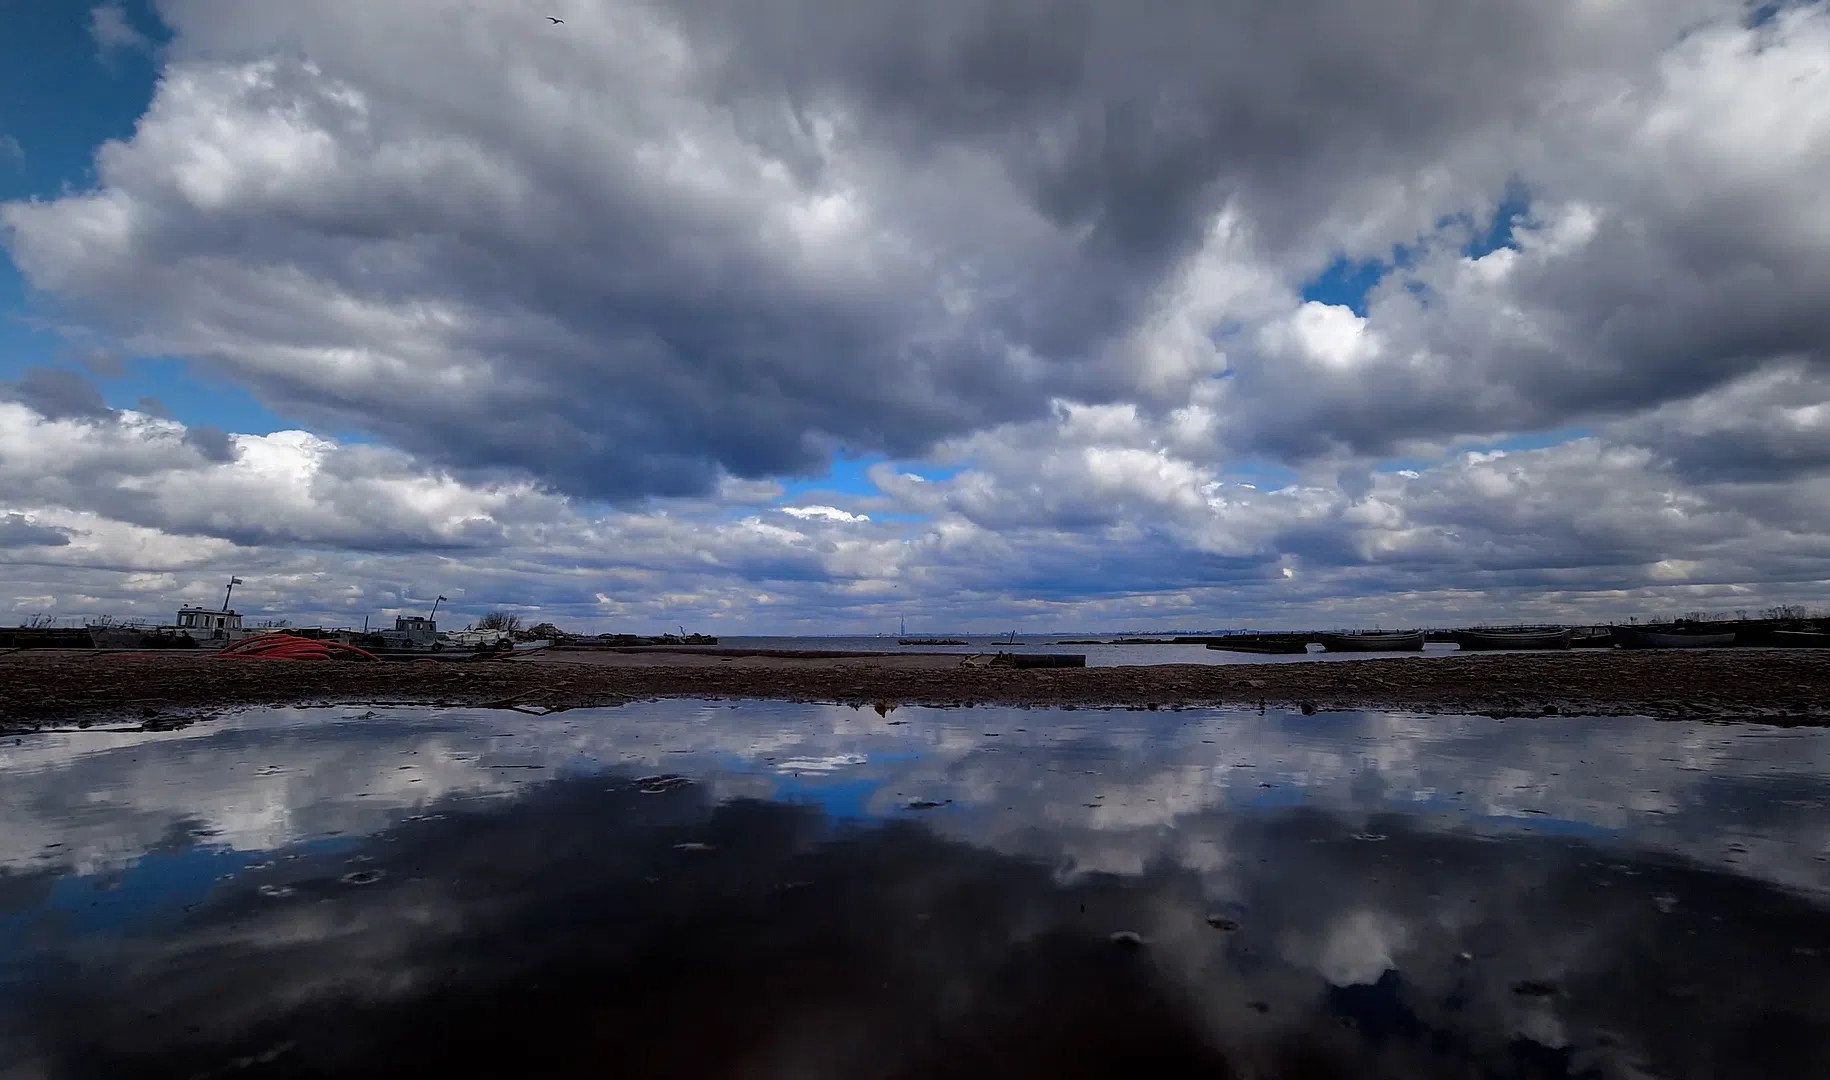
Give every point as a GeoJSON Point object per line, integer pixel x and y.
{"type": "Point", "coordinates": [774, 890]}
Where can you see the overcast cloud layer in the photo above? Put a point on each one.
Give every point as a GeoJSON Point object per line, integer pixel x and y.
{"type": "Point", "coordinates": [593, 289]}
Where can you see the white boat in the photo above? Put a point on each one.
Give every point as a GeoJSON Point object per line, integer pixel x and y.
{"type": "Point", "coordinates": [195, 628]}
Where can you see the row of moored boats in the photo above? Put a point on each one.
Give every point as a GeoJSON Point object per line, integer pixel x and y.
{"type": "Point", "coordinates": [1625, 637]}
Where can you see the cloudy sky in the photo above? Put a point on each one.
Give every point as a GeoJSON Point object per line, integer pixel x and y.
{"type": "Point", "coordinates": [778, 315]}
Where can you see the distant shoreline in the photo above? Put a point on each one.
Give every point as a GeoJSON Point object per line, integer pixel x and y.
{"type": "Point", "coordinates": [45, 688]}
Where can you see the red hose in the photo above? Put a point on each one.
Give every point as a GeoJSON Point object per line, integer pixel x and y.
{"type": "Point", "coordinates": [282, 646]}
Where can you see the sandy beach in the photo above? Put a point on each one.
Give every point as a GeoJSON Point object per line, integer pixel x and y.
{"type": "Point", "coordinates": [45, 688]}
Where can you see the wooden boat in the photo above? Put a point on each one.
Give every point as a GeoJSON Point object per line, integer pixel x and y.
{"type": "Point", "coordinates": [1798, 639]}
{"type": "Point", "coordinates": [1630, 637]}
{"type": "Point", "coordinates": [1038, 660]}
{"type": "Point", "coordinates": [47, 637]}
{"type": "Point", "coordinates": [1247, 645]}
{"type": "Point", "coordinates": [1400, 642]}
{"type": "Point", "coordinates": [1480, 640]}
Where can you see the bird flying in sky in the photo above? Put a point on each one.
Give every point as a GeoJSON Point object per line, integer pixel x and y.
{"type": "Point", "coordinates": [554, 21]}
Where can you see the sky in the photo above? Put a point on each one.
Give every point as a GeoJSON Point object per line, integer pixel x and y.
{"type": "Point", "coordinates": [982, 314]}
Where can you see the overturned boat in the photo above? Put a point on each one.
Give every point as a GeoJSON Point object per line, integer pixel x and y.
{"type": "Point", "coordinates": [1411, 641]}
{"type": "Point", "coordinates": [1489, 640]}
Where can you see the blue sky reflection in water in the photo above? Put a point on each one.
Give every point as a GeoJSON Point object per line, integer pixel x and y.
{"type": "Point", "coordinates": [333, 892]}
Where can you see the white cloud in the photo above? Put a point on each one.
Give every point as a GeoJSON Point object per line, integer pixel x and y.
{"type": "Point", "coordinates": [594, 289]}
{"type": "Point", "coordinates": [823, 513]}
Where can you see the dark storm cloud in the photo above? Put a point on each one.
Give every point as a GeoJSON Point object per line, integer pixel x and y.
{"type": "Point", "coordinates": [1667, 252]}
{"type": "Point", "coordinates": [210, 441]}
{"type": "Point", "coordinates": [783, 231]}
{"type": "Point", "coordinates": [57, 394]}
{"type": "Point", "coordinates": [18, 531]}
{"type": "Point", "coordinates": [1772, 427]}
{"type": "Point", "coordinates": [666, 243]}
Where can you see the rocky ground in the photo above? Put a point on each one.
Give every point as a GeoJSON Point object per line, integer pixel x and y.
{"type": "Point", "coordinates": [45, 688]}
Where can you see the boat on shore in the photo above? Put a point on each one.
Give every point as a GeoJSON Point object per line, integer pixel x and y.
{"type": "Point", "coordinates": [1489, 640]}
{"type": "Point", "coordinates": [1267, 646]}
{"type": "Point", "coordinates": [1797, 639]}
{"type": "Point", "coordinates": [1038, 660]}
{"type": "Point", "coordinates": [195, 628]}
{"type": "Point", "coordinates": [1411, 641]}
{"type": "Point", "coordinates": [1632, 637]}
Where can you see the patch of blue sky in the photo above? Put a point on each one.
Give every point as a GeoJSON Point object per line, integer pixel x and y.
{"type": "Point", "coordinates": [60, 99]}
{"type": "Point", "coordinates": [1264, 476]}
{"type": "Point", "coordinates": [1541, 440]}
{"type": "Point", "coordinates": [1537, 440]}
{"type": "Point", "coordinates": [842, 799]}
{"type": "Point", "coordinates": [1514, 207]}
{"type": "Point", "coordinates": [844, 476]}
{"type": "Point", "coordinates": [49, 55]}
{"type": "Point", "coordinates": [1348, 282]}
{"type": "Point", "coordinates": [850, 476]}
{"type": "Point", "coordinates": [152, 383]}
{"type": "Point", "coordinates": [160, 884]}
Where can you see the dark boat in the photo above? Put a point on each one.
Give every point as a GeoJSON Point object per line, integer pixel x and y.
{"type": "Point", "coordinates": [1247, 645]}
{"type": "Point", "coordinates": [1601, 638]}
{"type": "Point", "coordinates": [1400, 642]}
{"type": "Point", "coordinates": [1798, 639]}
{"type": "Point", "coordinates": [1038, 660]}
{"type": "Point", "coordinates": [1630, 637]}
{"type": "Point", "coordinates": [47, 637]}
{"type": "Point", "coordinates": [1487, 640]}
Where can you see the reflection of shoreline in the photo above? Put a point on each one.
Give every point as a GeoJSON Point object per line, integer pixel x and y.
{"type": "Point", "coordinates": [1702, 684]}
{"type": "Point", "coordinates": [692, 937]}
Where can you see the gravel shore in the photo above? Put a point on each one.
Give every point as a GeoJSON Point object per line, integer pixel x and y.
{"type": "Point", "coordinates": [45, 688]}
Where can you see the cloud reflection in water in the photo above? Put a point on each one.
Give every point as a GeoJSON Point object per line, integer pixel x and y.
{"type": "Point", "coordinates": [1422, 896]}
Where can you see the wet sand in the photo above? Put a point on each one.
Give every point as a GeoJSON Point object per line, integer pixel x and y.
{"type": "Point", "coordinates": [39, 688]}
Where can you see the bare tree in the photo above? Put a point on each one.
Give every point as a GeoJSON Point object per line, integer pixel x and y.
{"type": "Point", "coordinates": [500, 620]}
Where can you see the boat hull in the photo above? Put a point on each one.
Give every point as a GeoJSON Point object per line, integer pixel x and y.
{"type": "Point", "coordinates": [1262, 647]}
{"type": "Point", "coordinates": [1038, 660]}
{"type": "Point", "coordinates": [1372, 642]}
{"type": "Point", "coordinates": [1798, 639]}
{"type": "Point", "coordinates": [1481, 641]}
{"type": "Point", "coordinates": [1628, 638]}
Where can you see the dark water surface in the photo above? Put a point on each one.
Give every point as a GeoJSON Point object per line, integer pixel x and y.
{"type": "Point", "coordinates": [773, 890]}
